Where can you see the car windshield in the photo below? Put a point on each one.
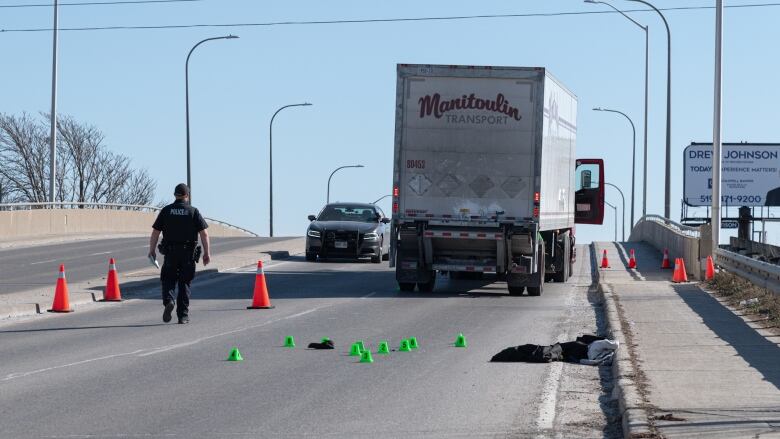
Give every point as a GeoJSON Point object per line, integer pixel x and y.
{"type": "Point", "coordinates": [348, 213]}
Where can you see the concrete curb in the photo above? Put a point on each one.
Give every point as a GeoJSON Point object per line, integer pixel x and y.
{"type": "Point", "coordinates": [80, 298]}
{"type": "Point", "coordinates": [634, 417]}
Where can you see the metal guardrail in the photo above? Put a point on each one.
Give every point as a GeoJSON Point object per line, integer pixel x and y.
{"type": "Point", "coordinates": [683, 229]}
{"type": "Point", "coordinates": [760, 273]}
{"type": "Point", "coordinates": [109, 206]}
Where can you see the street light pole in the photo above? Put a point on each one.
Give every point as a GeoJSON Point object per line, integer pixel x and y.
{"type": "Point", "coordinates": [187, 99]}
{"type": "Point", "coordinates": [331, 176]}
{"type": "Point", "coordinates": [647, 77]}
{"type": "Point", "coordinates": [624, 209]}
{"type": "Point", "coordinates": [668, 172]}
{"type": "Point", "coordinates": [271, 166]}
{"type": "Point", "coordinates": [716, 130]}
{"type": "Point", "coordinates": [53, 115]}
{"type": "Point", "coordinates": [633, 157]}
{"type": "Point", "coordinates": [615, 209]}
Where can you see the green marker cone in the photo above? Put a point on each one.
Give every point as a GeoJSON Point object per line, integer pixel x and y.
{"type": "Point", "coordinates": [289, 342]}
{"type": "Point", "coordinates": [413, 343]}
{"type": "Point", "coordinates": [355, 351]}
{"type": "Point", "coordinates": [362, 345]}
{"type": "Point", "coordinates": [460, 342]}
{"type": "Point", "coordinates": [404, 346]}
{"type": "Point", "coordinates": [235, 355]}
{"type": "Point", "coordinates": [365, 357]}
{"type": "Point", "coordinates": [384, 348]}
{"type": "Point", "coordinates": [325, 339]}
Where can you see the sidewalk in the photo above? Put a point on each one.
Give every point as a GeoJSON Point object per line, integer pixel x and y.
{"type": "Point", "coordinates": [693, 368]}
{"type": "Point", "coordinates": [139, 283]}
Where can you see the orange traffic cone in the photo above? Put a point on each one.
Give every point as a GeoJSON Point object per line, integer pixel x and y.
{"type": "Point", "coordinates": [604, 260]}
{"type": "Point", "coordinates": [61, 299]}
{"type": "Point", "coordinates": [679, 271]}
{"type": "Point", "coordinates": [632, 259]}
{"type": "Point", "coordinates": [112, 293]}
{"type": "Point", "coordinates": [710, 268]}
{"type": "Point", "coordinates": [665, 262]}
{"type": "Point", "coordinates": [260, 299]}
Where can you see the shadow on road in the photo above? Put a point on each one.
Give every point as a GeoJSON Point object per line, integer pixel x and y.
{"type": "Point", "coordinates": [753, 347]}
{"type": "Point", "coordinates": [74, 328]}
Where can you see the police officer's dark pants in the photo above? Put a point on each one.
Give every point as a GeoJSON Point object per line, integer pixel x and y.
{"type": "Point", "coordinates": [178, 270]}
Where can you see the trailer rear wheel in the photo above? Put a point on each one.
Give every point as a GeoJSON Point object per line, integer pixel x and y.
{"type": "Point", "coordinates": [405, 286]}
{"type": "Point", "coordinates": [516, 291]}
{"type": "Point", "coordinates": [537, 290]}
{"type": "Point", "coordinates": [562, 275]}
{"type": "Point", "coordinates": [427, 287]}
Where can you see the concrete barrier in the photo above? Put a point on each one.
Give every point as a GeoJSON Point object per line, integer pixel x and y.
{"type": "Point", "coordinates": [34, 223]}
{"type": "Point", "coordinates": [693, 245]}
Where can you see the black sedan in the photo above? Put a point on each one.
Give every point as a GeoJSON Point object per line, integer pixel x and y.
{"type": "Point", "coordinates": [348, 231]}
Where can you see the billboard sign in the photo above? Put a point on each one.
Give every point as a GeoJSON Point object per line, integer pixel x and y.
{"type": "Point", "coordinates": [750, 174]}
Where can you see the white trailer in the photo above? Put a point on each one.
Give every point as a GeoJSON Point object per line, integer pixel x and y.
{"type": "Point", "coordinates": [484, 176]}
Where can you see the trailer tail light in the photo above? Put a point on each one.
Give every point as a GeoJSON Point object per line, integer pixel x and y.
{"type": "Point", "coordinates": [395, 191]}
{"type": "Point", "coordinates": [536, 212]}
{"type": "Point", "coordinates": [537, 198]}
{"type": "Point", "coordinates": [395, 207]}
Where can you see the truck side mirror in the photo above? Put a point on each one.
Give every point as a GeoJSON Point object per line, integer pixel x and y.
{"type": "Point", "coordinates": [589, 197]}
{"type": "Point", "coordinates": [312, 217]}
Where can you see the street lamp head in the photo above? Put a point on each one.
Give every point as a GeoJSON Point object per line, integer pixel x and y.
{"type": "Point", "coordinates": [306, 104]}
{"type": "Point", "coordinates": [231, 37]}
{"type": "Point", "coordinates": [590, 1]}
{"type": "Point", "coordinates": [359, 166]}
{"type": "Point", "coordinates": [598, 109]}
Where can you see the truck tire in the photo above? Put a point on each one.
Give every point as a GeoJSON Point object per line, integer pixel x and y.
{"type": "Point", "coordinates": [562, 275]}
{"type": "Point", "coordinates": [537, 290]}
{"type": "Point", "coordinates": [516, 291]}
{"type": "Point", "coordinates": [376, 259]}
{"type": "Point", "coordinates": [427, 287]}
{"type": "Point", "coordinates": [311, 256]}
{"type": "Point", "coordinates": [406, 287]}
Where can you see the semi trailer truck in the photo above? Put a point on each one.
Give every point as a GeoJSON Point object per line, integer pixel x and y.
{"type": "Point", "coordinates": [485, 177]}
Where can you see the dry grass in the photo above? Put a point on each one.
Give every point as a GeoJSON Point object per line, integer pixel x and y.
{"type": "Point", "coordinates": [737, 290]}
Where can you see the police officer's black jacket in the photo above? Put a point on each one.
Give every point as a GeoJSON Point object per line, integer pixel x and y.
{"type": "Point", "coordinates": [180, 223]}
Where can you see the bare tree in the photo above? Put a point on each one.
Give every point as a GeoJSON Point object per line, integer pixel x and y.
{"type": "Point", "coordinates": [86, 170]}
{"type": "Point", "coordinates": [25, 156]}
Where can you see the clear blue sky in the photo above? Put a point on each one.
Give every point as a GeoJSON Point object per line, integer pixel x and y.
{"type": "Point", "coordinates": [130, 83]}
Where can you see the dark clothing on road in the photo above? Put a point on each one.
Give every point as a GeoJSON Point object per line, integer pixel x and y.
{"type": "Point", "coordinates": [180, 224]}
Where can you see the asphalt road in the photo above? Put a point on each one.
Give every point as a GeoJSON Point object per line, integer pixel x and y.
{"type": "Point", "coordinates": [26, 268]}
{"type": "Point", "coordinates": [115, 370]}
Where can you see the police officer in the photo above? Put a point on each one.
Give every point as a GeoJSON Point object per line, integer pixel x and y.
{"type": "Point", "coordinates": [180, 224]}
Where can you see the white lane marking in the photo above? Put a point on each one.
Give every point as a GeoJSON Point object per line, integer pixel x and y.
{"type": "Point", "coordinates": [158, 350]}
{"type": "Point", "coordinates": [546, 417]}
{"type": "Point", "coordinates": [368, 295]}
{"type": "Point", "coordinates": [77, 363]}
{"type": "Point", "coordinates": [43, 262]}
{"type": "Point", "coordinates": [222, 334]}
{"type": "Point", "coordinates": [97, 254]}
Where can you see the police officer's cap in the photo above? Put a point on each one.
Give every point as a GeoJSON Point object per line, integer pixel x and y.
{"type": "Point", "coordinates": [181, 190]}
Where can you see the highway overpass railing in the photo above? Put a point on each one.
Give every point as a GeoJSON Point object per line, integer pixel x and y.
{"type": "Point", "coordinates": [18, 220]}
{"type": "Point", "coordinates": [682, 241]}
{"type": "Point", "coordinates": [758, 272]}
